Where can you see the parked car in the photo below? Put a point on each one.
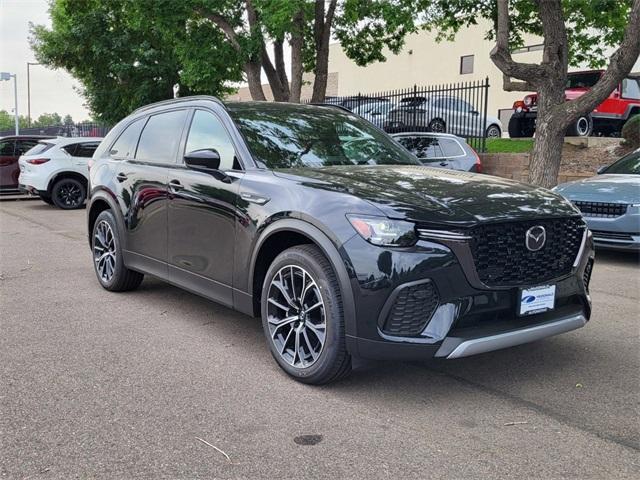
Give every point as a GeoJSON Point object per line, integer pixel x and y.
{"type": "Point", "coordinates": [441, 114]}
{"type": "Point", "coordinates": [57, 170]}
{"type": "Point", "coordinates": [337, 237]}
{"type": "Point", "coordinates": [10, 150]}
{"type": "Point", "coordinates": [353, 101]}
{"type": "Point", "coordinates": [374, 112]}
{"type": "Point", "coordinates": [608, 118]}
{"type": "Point", "coordinates": [441, 150]}
{"type": "Point", "coordinates": [610, 203]}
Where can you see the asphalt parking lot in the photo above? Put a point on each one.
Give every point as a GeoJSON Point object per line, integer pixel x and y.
{"type": "Point", "coordinates": [145, 384]}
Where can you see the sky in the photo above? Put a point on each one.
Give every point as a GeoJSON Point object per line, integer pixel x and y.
{"type": "Point", "coordinates": [51, 90]}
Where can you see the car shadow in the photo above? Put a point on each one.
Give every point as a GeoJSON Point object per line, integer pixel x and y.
{"type": "Point", "coordinates": [616, 257]}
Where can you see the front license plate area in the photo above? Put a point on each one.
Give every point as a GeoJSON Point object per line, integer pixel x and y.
{"type": "Point", "coordinates": [536, 299]}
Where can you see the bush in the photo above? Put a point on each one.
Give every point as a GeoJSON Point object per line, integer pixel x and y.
{"type": "Point", "coordinates": [631, 132]}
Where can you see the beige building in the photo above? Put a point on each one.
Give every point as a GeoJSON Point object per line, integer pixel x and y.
{"type": "Point", "coordinates": [425, 62]}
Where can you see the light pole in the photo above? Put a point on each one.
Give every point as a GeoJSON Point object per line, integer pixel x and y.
{"type": "Point", "coordinates": [7, 76]}
{"type": "Point", "coordinates": [29, 92]}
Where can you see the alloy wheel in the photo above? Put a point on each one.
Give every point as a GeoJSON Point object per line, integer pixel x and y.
{"type": "Point", "coordinates": [493, 132]}
{"type": "Point", "coordinates": [582, 126]}
{"type": "Point", "coordinates": [69, 194]}
{"type": "Point", "coordinates": [296, 316]}
{"type": "Point", "coordinates": [437, 126]}
{"type": "Point", "coordinates": [104, 251]}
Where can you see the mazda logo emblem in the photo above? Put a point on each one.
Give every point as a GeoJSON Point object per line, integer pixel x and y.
{"type": "Point", "coordinates": [535, 238]}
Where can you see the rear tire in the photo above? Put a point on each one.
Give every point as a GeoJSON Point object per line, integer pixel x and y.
{"type": "Point", "coordinates": [305, 331]}
{"type": "Point", "coordinates": [437, 125]}
{"type": "Point", "coordinates": [46, 199]}
{"type": "Point", "coordinates": [68, 194]}
{"type": "Point", "coordinates": [582, 127]}
{"type": "Point", "coordinates": [108, 263]}
{"type": "Point", "coordinates": [493, 131]}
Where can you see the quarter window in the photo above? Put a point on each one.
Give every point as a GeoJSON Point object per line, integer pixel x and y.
{"type": "Point", "coordinates": [161, 136]}
{"type": "Point", "coordinates": [125, 146]}
{"type": "Point", "coordinates": [207, 132]}
{"type": "Point", "coordinates": [85, 150]}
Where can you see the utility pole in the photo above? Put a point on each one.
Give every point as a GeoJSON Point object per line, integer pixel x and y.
{"type": "Point", "coordinates": [7, 76]}
{"type": "Point", "coordinates": [29, 92]}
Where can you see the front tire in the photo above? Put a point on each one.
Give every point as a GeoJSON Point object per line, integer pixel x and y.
{"type": "Point", "coordinates": [106, 249]}
{"type": "Point", "coordinates": [493, 131]}
{"type": "Point", "coordinates": [68, 194]}
{"type": "Point", "coordinates": [302, 316]}
{"type": "Point", "coordinates": [437, 125]}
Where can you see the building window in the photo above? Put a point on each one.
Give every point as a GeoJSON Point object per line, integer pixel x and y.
{"type": "Point", "coordinates": [466, 64]}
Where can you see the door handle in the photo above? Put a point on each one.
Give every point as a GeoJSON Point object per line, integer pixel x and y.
{"type": "Point", "coordinates": [121, 177]}
{"type": "Point", "coordinates": [175, 185]}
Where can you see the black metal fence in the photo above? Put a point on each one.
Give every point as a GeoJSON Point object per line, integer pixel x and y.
{"type": "Point", "coordinates": [71, 130]}
{"type": "Point", "coordinates": [457, 108]}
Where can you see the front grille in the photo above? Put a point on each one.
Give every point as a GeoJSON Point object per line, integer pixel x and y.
{"type": "Point", "coordinates": [412, 309]}
{"type": "Point", "coordinates": [601, 209]}
{"type": "Point", "coordinates": [586, 276]}
{"type": "Point", "coordinates": [502, 258]}
{"type": "Point", "coordinates": [600, 235]}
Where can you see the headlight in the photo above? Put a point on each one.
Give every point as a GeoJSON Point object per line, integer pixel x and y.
{"type": "Point", "coordinates": [384, 232]}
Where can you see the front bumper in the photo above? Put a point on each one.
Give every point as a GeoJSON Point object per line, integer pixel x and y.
{"type": "Point", "coordinates": [469, 318]}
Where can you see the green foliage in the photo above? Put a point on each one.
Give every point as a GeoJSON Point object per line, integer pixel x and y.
{"type": "Point", "coordinates": [47, 119]}
{"type": "Point", "coordinates": [509, 145]}
{"type": "Point", "coordinates": [631, 131]}
{"type": "Point", "coordinates": [593, 26]}
{"type": "Point", "coordinates": [7, 121]}
{"type": "Point", "coordinates": [127, 54]}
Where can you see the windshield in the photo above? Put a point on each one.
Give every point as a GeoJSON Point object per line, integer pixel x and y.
{"type": "Point", "coordinates": [288, 136]}
{"type": "Point", "coordinates": [629, 164]}
{"type": "Point", "coordinates": [41, 147]}
{"type": "Point", "coordinates": [583, 80]}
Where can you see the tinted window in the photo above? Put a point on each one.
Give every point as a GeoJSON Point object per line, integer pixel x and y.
{"type": "Point", "coordinates": [631, 88]}
{"type": "Point", "coordinates": [23, 146]}
{"type": "Point", "coordinates": [6, 148]}
{"type": "Point", "coordinates": [207, 132]}
{"type": "Point", "coordinates": [125, 146]}
{"type": "Point", "coordinates": [432, 148]}
{"type": "Point", "coordinates": [303, 136]}
{"type": "Point", "coordinates": [583, 80]}
{"type": "Point", "coordinates": [628, 165]}
{"type": "Point", "coordinates": [70, 149]}
{"type": "Point", "coordinates": [160, 137]}
{"type": "Point", "coordinates": [85, 150]}
{"type": "Point", "coordinates": [41, 147]}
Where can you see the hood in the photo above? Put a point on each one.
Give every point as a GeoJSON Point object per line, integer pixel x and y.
{"type": "Point", "coordinates": [613, 188]}
{"type": "Point", "coordinates": [431, 195]}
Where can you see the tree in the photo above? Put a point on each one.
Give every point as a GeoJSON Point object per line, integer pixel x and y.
{"type": "Point", "coordinates": [127, 54]}
{"type": "Point", "coordinates": [47, 120]}
{"type": "Point", "coordinates": [251, 26]}
{"type": "Point", "coordinates": [8, 122]}
{"type": "Point", "coordinates": [574, 32]}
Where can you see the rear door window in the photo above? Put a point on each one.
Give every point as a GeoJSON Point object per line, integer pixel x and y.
{"type": "Point", "coordinates": [161, 136]}
{"type": "Point", "coordinates": [6, 148]}
{"type": "Point", "coordinates": [85, 150]}
{"type": "Point", "coordinates": [125, 146]}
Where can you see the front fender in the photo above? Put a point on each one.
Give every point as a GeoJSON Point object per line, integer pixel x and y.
{"type": "Point", "coordinates": [329, 249]}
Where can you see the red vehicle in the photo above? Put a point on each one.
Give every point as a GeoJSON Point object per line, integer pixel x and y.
{"type": "Point", "coordinates": [607, 119]}
{"type": "Point", "coordinates": [10, 150]}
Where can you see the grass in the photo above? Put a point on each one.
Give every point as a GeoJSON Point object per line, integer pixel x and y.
{"type": "Point", "coordinates": [509, 145]}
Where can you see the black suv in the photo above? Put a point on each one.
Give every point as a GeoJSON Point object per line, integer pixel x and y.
{"type": "Point", "coordinates": [334, 234]}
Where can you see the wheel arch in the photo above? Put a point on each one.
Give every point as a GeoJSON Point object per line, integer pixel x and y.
{"type": "Point", "coordinates": [101, 200]}
{"type": "Point", "coordinates": [284, 234]}
{"type": "Point", "coordinates": [67, 174]}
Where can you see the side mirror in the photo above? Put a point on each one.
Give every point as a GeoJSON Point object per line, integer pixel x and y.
{"type": "Point", "coordinates": [602, 169]}
{"type": "Point", "coordinates": [474, 112]}
{"type": "Point", "coordinates": [204, 159]}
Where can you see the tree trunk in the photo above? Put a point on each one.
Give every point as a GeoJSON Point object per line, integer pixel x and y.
{"type": "Point", "coordinates": [322, 33]}
{"type": "Point", "coordinates": [281, 69]}
{"type": "Point", "coordinates": [551, 125]}
{"type": "Point", "coordinates": [297, 42]}
{"type": "Point", "coordinates": [252, 70]}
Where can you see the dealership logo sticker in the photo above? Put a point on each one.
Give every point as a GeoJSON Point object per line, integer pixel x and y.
{"type": "Point", "coordinates": [535, 238]}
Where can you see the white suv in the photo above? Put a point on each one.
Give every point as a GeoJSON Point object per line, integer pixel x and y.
{"type": "Point", "coordinates": [57, 170]}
